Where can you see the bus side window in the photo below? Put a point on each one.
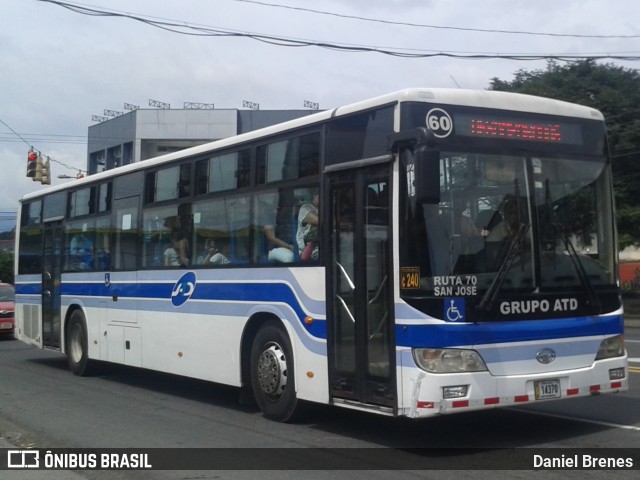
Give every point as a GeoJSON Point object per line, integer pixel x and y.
{"type": "Point", "coordinates": [81, 248]}
{"type": "Point", "coordinates": [103, 248]}
{"type": "Point", "coordinates": [126, 237]}
{"type": "Point", "coordinates": [238, 227]}
{"type": "Point", "coordinates": [274, 239]}
{"type": "Point", "coordinates": [308, 227]}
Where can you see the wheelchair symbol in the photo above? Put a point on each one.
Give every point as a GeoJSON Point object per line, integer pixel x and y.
{"type": "Point", "coordinates": [455, 310]}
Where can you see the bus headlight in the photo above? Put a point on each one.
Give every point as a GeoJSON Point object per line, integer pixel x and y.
{"type": "Point", "coordinates": [448, 360]}
{"type": "Point", "coordinates": [611, 347]}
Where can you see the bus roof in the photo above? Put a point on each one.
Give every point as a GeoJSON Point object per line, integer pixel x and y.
{"type": "Point", "coordinates": [448, 96]}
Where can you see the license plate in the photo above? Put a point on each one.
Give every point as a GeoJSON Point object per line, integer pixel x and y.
{"type": "Point", "coordinates": [547, 389]}
{"type": "Point", "coordinates": [6, 325]}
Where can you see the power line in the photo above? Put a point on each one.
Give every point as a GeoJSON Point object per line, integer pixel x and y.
{"type": "Point", "coordinates": [15, 133]}
{"type": "Point", "coordinates": [441, 27]}
{"type": "Point", "coordinates": [45, 138]}
{"type": "Point", "coordinates": [185, 28]}
{"type": "Point", "coordinates": [30, 145]}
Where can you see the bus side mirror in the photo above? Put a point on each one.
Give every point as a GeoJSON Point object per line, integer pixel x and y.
{"type": "Point", "coordinates": [427, 175]}
{"type": "Point", "coordinates": [424, 168]}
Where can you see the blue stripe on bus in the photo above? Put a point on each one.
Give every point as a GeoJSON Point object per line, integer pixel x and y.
{"type": "Point", "coordinates": [29, 288]}
{"type": "Point", "coordinates": [440, 336]}
{"type": "Point", "coordinates": [152, 295]}
{"type": "Point", "coordinates": [152, 291]}
{"type": "Point", "coordinates": [251, 293]}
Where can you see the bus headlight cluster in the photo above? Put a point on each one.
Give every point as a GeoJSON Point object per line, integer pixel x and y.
{"type": "Point", "coordinates": [611, 347]}
{"type": "Point", "coordinates": [448, 360]}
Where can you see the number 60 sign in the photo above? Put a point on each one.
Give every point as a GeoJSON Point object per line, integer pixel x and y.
{"type": "Point", "coordinates": [439, 122]}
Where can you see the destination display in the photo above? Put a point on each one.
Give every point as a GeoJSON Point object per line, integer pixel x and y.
{"type": "Point", "coordinates": [514, 128]}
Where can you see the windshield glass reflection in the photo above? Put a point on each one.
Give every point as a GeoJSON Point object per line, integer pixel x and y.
{"type": "Point", "coordinates": [537, 223]}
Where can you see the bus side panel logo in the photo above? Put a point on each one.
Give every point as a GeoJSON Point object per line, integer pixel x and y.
{"type": "Point", "coordinates": [183, 289]}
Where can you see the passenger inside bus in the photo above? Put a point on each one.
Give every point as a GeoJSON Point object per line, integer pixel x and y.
{"type": "Point", "coordinates": [171, 257]}
{"type": "Point", "coordinates": [500, 239]}
{"type": "Point", "coordinates": [274, 214]}
{"type": "Point", "coordinates": [279, 250]}
{"type": "Point", "coordinates": [308, 232]}
{"type": "Point", "coordinates": [81, 251]}
{"type": "Point", "coordinates": [464, 225]}
{"type": "Point", "coordinates": [177, 254]}
{"type": "Point", "coordinates": [509, 226]}
{"type": "Point", "coordinates": [215, 255]}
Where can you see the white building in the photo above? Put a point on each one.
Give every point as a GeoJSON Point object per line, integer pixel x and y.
{"type": "Point", "coordinates": [146, 133]}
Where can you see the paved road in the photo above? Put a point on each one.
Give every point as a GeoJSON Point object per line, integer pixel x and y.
{"type": "Point", "coordinates": [42, 405]}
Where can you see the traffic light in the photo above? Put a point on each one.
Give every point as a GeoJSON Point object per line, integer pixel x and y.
{"type": "Point", "coordinates": [45, 178]}
{"type": "Point", "coordinates": [32, 164]}
{"type": "Point", "coordinates": [38, 176]}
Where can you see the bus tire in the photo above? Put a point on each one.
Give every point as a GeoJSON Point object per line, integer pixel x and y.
{"type": "Point", "coordinates": [77, 345]}
{"type": "Point", "coordinates": [272, 373]}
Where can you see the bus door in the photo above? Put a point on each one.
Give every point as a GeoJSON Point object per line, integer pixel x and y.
{"type": "Point", "coordinates": [122, 281]}
{"type": "Point", "coordinates": [360, 306]}
{"type": "Point", "coordinates": [51, 276]}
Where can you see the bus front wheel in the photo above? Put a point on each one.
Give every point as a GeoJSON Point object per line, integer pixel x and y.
{"type": "Point", "coordinates": [272, 376]}
{"type": "Point", "coordinates": [77, 344]}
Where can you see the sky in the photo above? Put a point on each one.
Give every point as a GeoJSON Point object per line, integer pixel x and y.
{"type": "Point", "coordinates": [58, 68]}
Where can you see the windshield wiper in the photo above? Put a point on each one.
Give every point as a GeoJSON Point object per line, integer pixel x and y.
{"type": "Point", "coordinates": [489, 298]}
{"type": "Point", "coordinates": [592, 296]}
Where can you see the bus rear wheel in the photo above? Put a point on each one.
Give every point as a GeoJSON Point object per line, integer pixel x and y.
{"type": "Point", "coordinates": [77, 345]}
{"type": "Point", "coordinates": [272, 375]}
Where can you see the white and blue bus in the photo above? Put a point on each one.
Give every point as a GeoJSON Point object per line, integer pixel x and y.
{"type": "Point", "coordinates": [425, 252]}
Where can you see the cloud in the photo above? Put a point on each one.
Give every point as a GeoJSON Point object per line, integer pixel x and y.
{"type": "Point", "coordinates": [57, 68]}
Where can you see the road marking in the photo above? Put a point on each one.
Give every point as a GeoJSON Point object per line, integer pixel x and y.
{"type": "Point", "coordinates": [583, 420]}
{"type": "Point", "coordinates": [634, 360]}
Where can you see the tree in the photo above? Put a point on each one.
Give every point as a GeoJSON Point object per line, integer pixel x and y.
{"type": "Point", "coordinates": [6, 258]}
{"type": "Point", "coordinates": [6, 266]}
{"type": "Point", "coordinates": [615, 91]}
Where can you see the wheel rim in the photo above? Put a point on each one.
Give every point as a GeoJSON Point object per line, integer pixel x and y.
{"type": "Point", "coordinates": [75, 343]}
{"type": "Point", "coordinates": [272, 370]}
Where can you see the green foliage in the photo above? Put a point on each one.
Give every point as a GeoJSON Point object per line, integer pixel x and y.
{"type": "Point", "coordinates": [6, 267]}
{"type": "Point", "coordinates": [8, 235]}
{"type": "Point", "coordinates": [615, 91]}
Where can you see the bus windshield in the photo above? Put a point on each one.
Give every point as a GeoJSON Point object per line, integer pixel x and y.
{"type": "Point", "coordinates": [510, 224]}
